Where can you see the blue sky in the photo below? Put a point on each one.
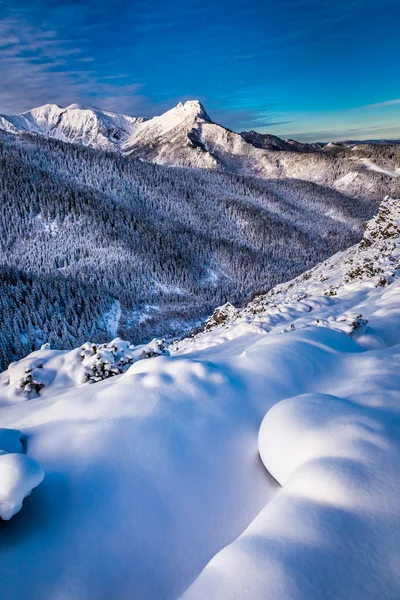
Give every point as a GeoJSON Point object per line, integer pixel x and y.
{"type": "Point", "coordinates": [313, 70]}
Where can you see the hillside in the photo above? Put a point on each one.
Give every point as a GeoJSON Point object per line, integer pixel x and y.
{"type": "Point", "coordinates": [153, 485]}
{"type": "Point", "coordinates": [97, 244]}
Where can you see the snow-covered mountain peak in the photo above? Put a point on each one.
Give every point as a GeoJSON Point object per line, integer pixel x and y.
{"type": "Point", "coordinates": [187, 113]}
{"type": "Point", "coordinates": [75, 106]}
{"type": "Point", "coordinates": [193, 108]}
{"type": "Point", "coordinates": [175, 137]}
{"type": "Point", "coordinates": [75, 123]}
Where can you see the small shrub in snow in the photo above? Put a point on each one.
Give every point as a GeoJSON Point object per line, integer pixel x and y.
{"type": "Point", "coordinates": [359, 322]}
{"type": "Point", "coordinates": [330, 292]}
{"type": "Point", "coordinates": [290, 328]}
{"type": "Point", "coordinates": [256, 306]}
{"type": "Point", "coordinates": [384, 280]}
{"type": "Point", "coordinates": [154, 348]}
{"type": "Point", "coordinates": [299, 296]}
{"type": "Point", "coordinates": [365, 269]}
{"type": "Point", "coordinates": [101, 361]}
{"type": "Point", "coordinates": [30, 382]}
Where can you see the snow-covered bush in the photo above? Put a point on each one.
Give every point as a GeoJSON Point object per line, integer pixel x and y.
{"type": "Point", "coordinates": [331, 292]}
{"type": "Point", "coordinates": [30, 383]}
{"type": "Point", "coordinates": [101, 361]}
{"type": "Point", "coordinates": [364, 269]}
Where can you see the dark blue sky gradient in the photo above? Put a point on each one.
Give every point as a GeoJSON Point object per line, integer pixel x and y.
{"type": "Point", "coordinates": [303, 68]}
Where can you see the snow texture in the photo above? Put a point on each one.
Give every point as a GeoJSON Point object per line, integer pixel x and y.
{"type": "Point", "coordinates": [154, 485]}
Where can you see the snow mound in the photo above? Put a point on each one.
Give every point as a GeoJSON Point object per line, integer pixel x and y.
{"type": "Point", "coordinates": [19, 474]}
{"type": "Point", "coordinates": [314, 427]}
{"type": "Point", "coordinates": [47, 372]}
{"type": "Point", "coordinates": [327, 533]}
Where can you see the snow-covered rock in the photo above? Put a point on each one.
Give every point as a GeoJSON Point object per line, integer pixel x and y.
{"type": "Point", "coordinates": [223, 314]}
{"type": "Point", "coordinates": [385, 225]}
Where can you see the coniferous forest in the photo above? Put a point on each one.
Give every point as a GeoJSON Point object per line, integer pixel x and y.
{"type": "Point", "coordinates": [88, 237]}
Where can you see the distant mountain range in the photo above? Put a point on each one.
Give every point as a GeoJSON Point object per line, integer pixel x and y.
{"type": "Point", "coordinates": [182, 136]}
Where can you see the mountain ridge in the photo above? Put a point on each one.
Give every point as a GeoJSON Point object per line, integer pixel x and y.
{"type": "Point", "coordinates": [104, 129]}
{"type": "Point", "coordinates": [186, 136]}
{"type": "Point", "coordinates": [74, 123]}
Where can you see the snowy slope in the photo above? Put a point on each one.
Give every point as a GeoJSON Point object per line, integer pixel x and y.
{"type": "Point", "coordinates": [154, 488]}
{"type": "Point", "coordinates": [185, 136]}
{"type": "Point", "coordinates": [173, 138]}
{"type": "Point", "coordinates": [90, 127]}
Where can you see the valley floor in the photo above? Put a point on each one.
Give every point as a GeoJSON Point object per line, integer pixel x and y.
{"type": "Point", "coordinates": [154, 488]}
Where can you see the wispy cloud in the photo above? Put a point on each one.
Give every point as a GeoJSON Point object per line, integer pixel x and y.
{"type": "Point", "coordinates": [38, 65]}
{"type": "Point", "coordinates": [395, 102]}
{"type": "Point", "coordinates": [245, 119]}
{"type": "Point", "coordinates": [361, 133]}
{"type": "Point", "coordinates": [257, 65]}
